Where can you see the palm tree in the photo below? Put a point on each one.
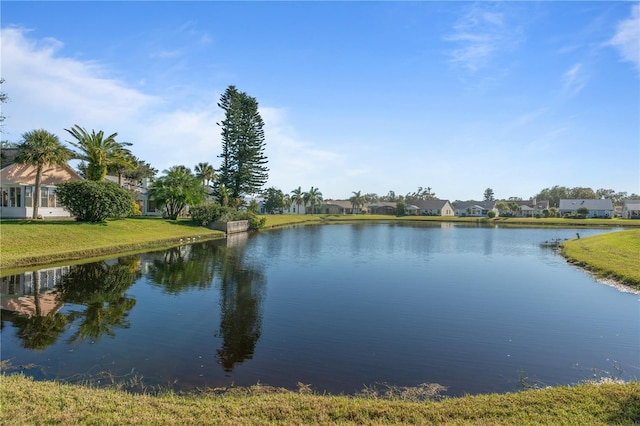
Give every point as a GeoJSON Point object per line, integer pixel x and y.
{"type": "Point", "coordinates": [99, 152]}
{"type": "Point", "coordinates": [205, 172]}
{"type": "Point", "coordinates": [223, 195]}
{"type": "Point", "coordinates": [287, 201]}
{"type": "Point", "coordinates": [122, 164]}
{"type": "Point", "coordinates": [39, 148]}
{"type": "Point", "coordinates": [312, 197]}
{"type": "Point", "coordinates": [297, 197]}
{"type": "Point", "coordinates": [357, 201]}
{"type": "Point", "coordinates": [176, 190]}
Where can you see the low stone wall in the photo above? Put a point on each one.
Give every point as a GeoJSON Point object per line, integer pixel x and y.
{"type": "Point", "coordinates": [230, 227]}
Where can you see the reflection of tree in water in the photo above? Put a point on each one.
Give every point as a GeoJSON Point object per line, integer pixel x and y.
{"type": "Point", "coordinates": [185, 267]}
{"type": "Point", "coordinates": [241, 297]}
{"type": "Point", "coordinates": [100, 287]}
{"type": "Point", "coordinates": [196, 266]}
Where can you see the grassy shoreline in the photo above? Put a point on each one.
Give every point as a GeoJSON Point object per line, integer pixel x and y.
{"type": "Point", "coordinates": [25, 401]}
{"type": "Point", "coordinates": [613, 256]}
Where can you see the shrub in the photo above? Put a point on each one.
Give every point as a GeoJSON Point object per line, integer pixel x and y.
{"type": "Point", "coordinates": [91, 201]}
{"type": "Point", "coordinates": [491, 214]}
{"type": "Point", "coordinates": [208, 213]}
{"type": "Point", "coordinates": [205, 214]}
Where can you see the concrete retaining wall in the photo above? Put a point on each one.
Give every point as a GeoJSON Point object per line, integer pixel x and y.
{"type": "Point", "coordinates": [231, 227]}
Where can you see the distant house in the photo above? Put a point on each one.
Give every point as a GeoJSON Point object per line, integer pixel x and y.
{"type": "Point", "coordinates": [382, 207]}
{"type": "Point", "coordinates": [631, 209]}
{"type": "Point", "coordinates": [602, 208]}
{"type": "Point", "coordinates": [17, 186]}
{"type": "Point", "coordinates": [295, 209]}
{"type": "Point", "coordinates": [412, 209]}
{"type": "Point", "coordinates": [530, 208]}
{"type": "Point", "coordinates": [474, 208]}
{"type": "Point", "coordinates": [435, 208]}
{"type": "Point", "coordinates": [336, 207]}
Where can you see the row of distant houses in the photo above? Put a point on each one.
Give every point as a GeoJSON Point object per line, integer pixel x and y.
{"type": "Point", "coordinates": [17, 183]}
{"type": "Point", "coordinates": [597, 208]}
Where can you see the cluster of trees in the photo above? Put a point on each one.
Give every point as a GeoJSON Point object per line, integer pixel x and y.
{"type": "Point", "coordinates": [243, 169]}
{"type": "Point", "coordinates": [556, 193]}
{"type": "Point", "coordinates": [40, 147]}
{"type": "Point", "coordinates": [275, 199]}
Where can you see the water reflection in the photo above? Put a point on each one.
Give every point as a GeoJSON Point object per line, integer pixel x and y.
{"type": "Point", "coordinates": [241, 286]}
{"type": "Point", "coordinates": [181, 268]}
{"type": "Point", "coordinates": [31, 305]}
{"type": "Point", "coordinates": [94, 294]}
{"type": "Point", "coordinates": [242, 292]}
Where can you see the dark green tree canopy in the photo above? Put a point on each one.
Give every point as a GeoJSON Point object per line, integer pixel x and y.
{"type": "Point", "coordinates": [176, 190]}
{"type": "Point", "coordinates": [93, 201]}
{"type": "Point", "coordinates": [274, 199]}
{"type": "Point", "coordinates": [243, 170]}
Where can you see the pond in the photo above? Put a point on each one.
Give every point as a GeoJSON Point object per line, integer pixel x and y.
{"type": "Point", "coordinates": [339, 307]}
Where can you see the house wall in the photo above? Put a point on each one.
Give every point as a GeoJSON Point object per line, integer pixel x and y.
{"type": "Point", "coordinates": [27, 212]}
{"type": "Point", "coordinates": [17, 203]}
{"type": "Point", "coordinates": [294, 209]}
{"type": "Point", "coordinates": [333, 209]}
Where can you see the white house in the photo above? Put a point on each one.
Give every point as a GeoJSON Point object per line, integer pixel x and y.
{"type": "Point", "coordinates": [435, 208]}
{"type": "Point", "coordinates": [17, 186]}
{"type": "Point", "coordinates": [602, 208]}
{"type": "Point", "coordinates": [631, 209]}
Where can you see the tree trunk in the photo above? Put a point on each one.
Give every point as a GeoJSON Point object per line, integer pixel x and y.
{"type": "Point", "coordinates": [36, 195]}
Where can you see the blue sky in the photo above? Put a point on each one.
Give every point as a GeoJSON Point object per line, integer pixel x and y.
{"type": "Point", "coordinates": [356, 96]}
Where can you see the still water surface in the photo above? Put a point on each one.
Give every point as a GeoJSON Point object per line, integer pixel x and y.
{"type": "Point", "coordinates": [339, 307]}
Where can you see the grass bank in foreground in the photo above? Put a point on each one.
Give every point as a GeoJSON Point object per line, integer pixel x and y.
{"type": "Point", "coordinates": [615, 255]}
{"type": "Point", "coordinates": [25, 401]}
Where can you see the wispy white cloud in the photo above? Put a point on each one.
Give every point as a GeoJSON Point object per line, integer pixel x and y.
{"type": "Point", "coordinates": [627, 37]}
{"type": "Point", "coordinates": [481, 34]}
{"type": "Point", "coordinates": [574, 80]}
{"type": "Point", "coordinates": [58, 92]}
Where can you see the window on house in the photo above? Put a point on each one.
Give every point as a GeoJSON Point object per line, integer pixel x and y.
{"type": "Point", "coordinates": [15, 197]}
{"type": "Point", "coordinates": [11, 197]}
{"type": "Point", "coordinates": [44, 197]}
{"type": "Point", "coordinates": [28, 197]}
{"type": "Point", "coordinates": [151, 206]}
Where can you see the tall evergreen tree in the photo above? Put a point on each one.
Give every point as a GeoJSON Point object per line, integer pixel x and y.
{"type": "Point", "coordinates": [243, 169]}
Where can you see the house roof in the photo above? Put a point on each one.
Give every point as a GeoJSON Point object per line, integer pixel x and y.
{"type": "Point", "coordinates": [591, 204]}
{"type": "Point", "coordinates": [463, 205]}
{"type": "Point", "coordinates": [632, 204]}
{"type": "Point", "coordinates": [25, 174]}
{"type": "Point", "coordinates": [379, 204]}
{"type": "Point", "coordinates": [340, 203]}
{"type": "Point", "coordinates": [431, 204]}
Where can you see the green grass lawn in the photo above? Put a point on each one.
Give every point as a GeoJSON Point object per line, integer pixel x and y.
{"type": "Point", "coordinates": [27, 243]}
{"type": "Point", "coordinates": [614, 255]}
{"type": "Point", "coordinates": [26, 402]}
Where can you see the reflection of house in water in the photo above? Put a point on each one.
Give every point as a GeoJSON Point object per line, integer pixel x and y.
{"type": "Point", "coordinates": [18, 292]}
